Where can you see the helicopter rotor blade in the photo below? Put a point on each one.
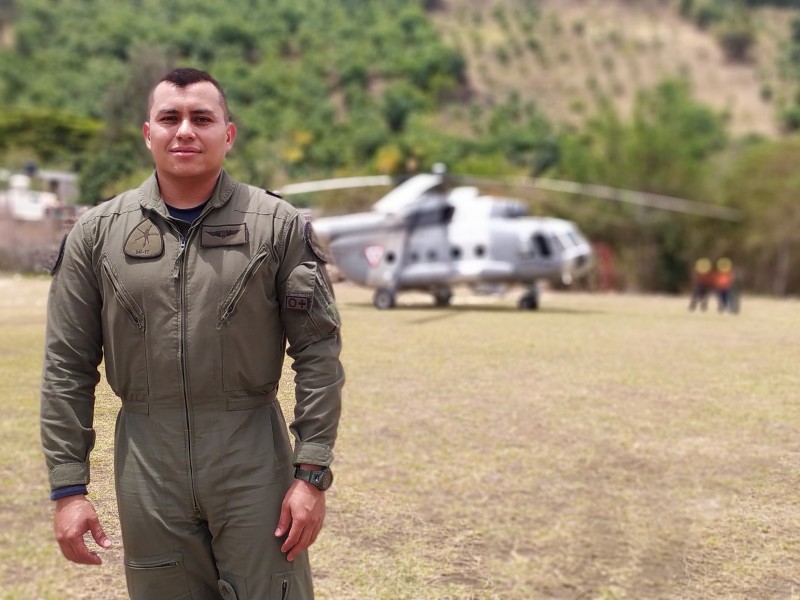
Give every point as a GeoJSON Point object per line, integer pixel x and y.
{"type": "Point", "coordinates": [340, 183]}
{"type": "Point", "coordinates": [648, 199]}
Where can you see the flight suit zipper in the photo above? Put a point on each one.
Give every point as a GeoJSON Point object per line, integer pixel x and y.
{"type": "Point", "coordinates": [179, 275]}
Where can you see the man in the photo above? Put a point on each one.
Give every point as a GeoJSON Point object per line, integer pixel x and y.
{"type": "Point", "coordinates": [190, 289]}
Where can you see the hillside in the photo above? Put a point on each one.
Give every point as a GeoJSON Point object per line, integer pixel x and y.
{"type": "Point", "coordinates": [576, 51]}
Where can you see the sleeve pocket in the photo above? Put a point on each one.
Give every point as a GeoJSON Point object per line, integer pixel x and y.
{"type": "Point", "coordinates": [307, 294]}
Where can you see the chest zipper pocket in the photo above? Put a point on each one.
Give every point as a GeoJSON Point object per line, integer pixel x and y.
{"type": "Point", "coordinates": [122, 295]}
{"type": "Point", "coordinates": [240, 285]}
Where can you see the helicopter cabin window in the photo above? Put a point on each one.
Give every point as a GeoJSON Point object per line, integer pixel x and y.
{"type": "Point", "coordinates": [480, 250]}
{"type": "Point", "coordinates": [542, 245]}
{"type": "Point", "coordinates": [455, 252]}
{"type": "Point", "coordinates": [431, 255]}
{"type": "Point", "coordinates": [390, 257]}
{"type": "Point", "coordinates": [414, 257]}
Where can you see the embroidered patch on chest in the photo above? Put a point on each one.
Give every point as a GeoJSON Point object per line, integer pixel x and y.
{"type": "Point", "coordinates": [145, 241]}
{"type": "Point", "coordinates": [224, 235]}
{"type": "Point", "coordinates": [297, 302]}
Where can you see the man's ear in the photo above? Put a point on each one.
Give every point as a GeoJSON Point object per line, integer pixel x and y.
{"type": "Point", "coordinates": [230, 135]}
{"type": "Point", "coordinates": [146, 133]}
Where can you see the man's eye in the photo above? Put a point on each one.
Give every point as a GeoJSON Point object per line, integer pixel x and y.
{"type": "Point", "coordinates": [202, 120]}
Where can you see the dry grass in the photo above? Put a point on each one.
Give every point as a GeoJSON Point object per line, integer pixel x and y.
{"type": "Point", "coordinates": [605, 447]}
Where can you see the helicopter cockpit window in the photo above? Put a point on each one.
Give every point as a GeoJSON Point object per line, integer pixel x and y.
{"type": "Point", "coordinates": [434, 215]}
{"type": "Point", "coordinates": [542, 245]}
{"type": "Point", "coordinates": [480, 250]}
{"type": "Point", "coordinates": [455, 252]}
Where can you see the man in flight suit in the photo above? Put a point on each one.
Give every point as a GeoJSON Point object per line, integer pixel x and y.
{"type": "Point", "coordinates": [192, 288]}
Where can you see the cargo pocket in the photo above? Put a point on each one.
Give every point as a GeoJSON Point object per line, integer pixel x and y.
{"type": "Point", "coordinates": [124, 343]}
{"type": "Point", "coordinates": [162, 576]}
{"type": "Point", "coordinates": [245, 353]}
{"type": "Point", "coordinates": [308, 294]}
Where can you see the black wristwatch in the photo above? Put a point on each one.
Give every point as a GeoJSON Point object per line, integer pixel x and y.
{"type": "Point", "coordinates": [321, 479]}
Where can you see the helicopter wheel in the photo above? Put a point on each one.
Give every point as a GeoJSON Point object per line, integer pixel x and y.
{"type": "Point", "coordinates": [384, 298]}
{"type": "Point", "coordinates": [442, 296]}
{"type": "Point", "coordinates": [529, 301]}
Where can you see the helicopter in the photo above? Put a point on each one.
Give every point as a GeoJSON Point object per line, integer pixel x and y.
{"type": "Point", "coordinates": [429, 235]}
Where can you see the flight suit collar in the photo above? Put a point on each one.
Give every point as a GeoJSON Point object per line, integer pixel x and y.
{"type": "Point", "coordinates": [150, 195]}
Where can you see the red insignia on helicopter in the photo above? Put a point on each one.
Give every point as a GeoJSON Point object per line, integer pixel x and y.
{"type": "Point", "coordinates": [374, 254]}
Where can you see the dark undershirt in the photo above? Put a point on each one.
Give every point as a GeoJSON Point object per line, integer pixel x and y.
{"type": "Point", "coordinates": [187, 215]}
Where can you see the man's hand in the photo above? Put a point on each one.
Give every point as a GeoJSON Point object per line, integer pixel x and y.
{"type": "Point", "coordinates": [302, 515]}
{"type": "Point", "coordinates": [74, 516]}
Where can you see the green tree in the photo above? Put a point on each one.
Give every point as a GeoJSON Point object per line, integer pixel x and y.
{"type": "Point", "coordinates": [765, 184]}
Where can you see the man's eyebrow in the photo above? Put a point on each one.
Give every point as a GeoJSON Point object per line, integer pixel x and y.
{"type": "Point", "coordinates": [175, 111]}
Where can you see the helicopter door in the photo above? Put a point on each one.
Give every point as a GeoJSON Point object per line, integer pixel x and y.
{"type": "Point", "coordinates": [427, 257]}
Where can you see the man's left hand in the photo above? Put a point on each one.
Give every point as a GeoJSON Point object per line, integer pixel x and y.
{"type": "Point", "coordinates": [302, 515]}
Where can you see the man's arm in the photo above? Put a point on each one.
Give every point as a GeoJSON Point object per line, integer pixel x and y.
{"type": "Point", "coordinates": [311, 321]}
{"type": "Point", "coordinates": [73, 350]}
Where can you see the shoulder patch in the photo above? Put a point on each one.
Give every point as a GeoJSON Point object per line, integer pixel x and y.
{"type": "Point", "coordinates": [145, 241]}
{"type": "Point", "coordinates": [313, 245]}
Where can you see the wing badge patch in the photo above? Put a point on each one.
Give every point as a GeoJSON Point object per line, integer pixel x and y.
{"type": "Point", "coordinates": [224, 235]}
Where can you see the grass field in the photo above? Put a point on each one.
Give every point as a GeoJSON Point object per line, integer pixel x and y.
{"type": "Point", "coordinates": [605, 447]}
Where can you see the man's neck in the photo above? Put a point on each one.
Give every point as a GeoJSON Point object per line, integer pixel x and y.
{"type": "Point", "coordinates": [185, 192]}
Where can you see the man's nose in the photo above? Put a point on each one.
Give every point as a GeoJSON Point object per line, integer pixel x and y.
{"type": "Point", "coordinates": [186, 129]}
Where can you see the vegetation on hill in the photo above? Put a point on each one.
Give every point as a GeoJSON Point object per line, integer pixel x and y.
{"type": "Point", "coordinates": [340, 88]}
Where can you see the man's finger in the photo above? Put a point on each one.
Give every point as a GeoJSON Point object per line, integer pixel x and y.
{"type": "Point", "coordinates": [99, 535]}
{"type": "Point", "coordinates": [78, 553]}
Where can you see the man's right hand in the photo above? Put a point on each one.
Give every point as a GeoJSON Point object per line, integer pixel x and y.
{"type": "Point", "coordinates": [74, 516]}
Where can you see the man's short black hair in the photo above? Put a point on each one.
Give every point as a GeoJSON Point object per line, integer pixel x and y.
{"type": "Point", "coordinates": [184, 77]}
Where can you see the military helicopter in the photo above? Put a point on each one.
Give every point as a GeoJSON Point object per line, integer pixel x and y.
{"type": "Point", "coordinates": [429, 235]}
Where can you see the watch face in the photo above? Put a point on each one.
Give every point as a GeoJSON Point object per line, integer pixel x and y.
{"type": "Point", "coordinates": [327, 479]}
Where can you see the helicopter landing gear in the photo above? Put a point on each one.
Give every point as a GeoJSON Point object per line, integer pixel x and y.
{"type": "Point", "coordinates": [530, 299]}
{"type": "Point", "coordinates": [383, 298]}
{"type": "Point", "coordinates": [442, 296]}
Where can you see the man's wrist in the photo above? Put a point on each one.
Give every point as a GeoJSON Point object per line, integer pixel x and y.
{"type": "Point", "coordinates": [68, 490]}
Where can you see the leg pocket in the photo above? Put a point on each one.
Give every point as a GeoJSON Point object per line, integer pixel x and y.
{"type": "Point", "coordinates": [162, 576]}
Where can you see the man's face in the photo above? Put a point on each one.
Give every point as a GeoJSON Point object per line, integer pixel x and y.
{"type": "Point", "coordinates": [186, 131]}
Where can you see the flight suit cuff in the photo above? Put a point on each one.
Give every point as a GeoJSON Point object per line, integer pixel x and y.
{"type": "Point", "coordinates": [308, 453]}
{"type": "Point", "coordinates": [69, 474]}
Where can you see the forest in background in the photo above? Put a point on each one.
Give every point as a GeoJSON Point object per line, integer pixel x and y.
{"type": "Point", "coordinates": [323, 89]}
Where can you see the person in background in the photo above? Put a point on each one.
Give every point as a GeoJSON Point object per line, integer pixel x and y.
{"type": "Point", "coordinates": [192, 289]}
{"type": "Point", "coordinates": [702, 283]}
{"type": "Point", "coordinates": [724, 285]}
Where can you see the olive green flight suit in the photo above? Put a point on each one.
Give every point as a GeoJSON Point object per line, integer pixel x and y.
{"type": "Point", "coordinates": [193, 330]}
